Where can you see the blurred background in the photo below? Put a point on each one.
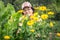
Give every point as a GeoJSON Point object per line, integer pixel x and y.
{"type": "Point", "coordinates": [17, 3]}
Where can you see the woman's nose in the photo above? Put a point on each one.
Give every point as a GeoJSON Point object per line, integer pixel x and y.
{"type": "Point", "coordinates": [27, 11]}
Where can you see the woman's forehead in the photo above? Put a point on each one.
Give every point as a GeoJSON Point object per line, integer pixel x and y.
{"type": "Point", "coordinates": [26, 8]}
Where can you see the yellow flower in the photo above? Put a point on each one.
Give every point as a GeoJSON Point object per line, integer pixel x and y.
{"type": "Point", "coordinates": [30, 23]}
{"type": "Point", "coordinates": [35, 14]}
{"type": "Point", "coordinates": [34, 18]}
{"type": "Point", "coordinates": [50, 13]}
{"type": "Point", "coordinates": [51, 24]}
{"type": "Point", "coordinates": [6, 37]}
{"type": "Point", "coordinates": [58, 34]}
{"type": "Point", "coordinates": [42, 8]}
{"type": "Point", "coordinates": [44, 16]}
{"type": "Point", "coordinates": [20, 11]}
{"type": "Point", "coordinates": [32, 30]}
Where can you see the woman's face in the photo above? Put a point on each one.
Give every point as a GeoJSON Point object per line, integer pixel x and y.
{"type": "Point", "coordinates": [28, 11]}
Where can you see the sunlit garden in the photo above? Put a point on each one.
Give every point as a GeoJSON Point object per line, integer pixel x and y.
{"type": "Point", "coordinates": [44, 24]}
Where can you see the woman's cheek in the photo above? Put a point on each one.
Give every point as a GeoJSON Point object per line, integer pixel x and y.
{"type": "Point", "coordinates": [31, 11]}
{"type": "Point", "coordinates": [24, 13]}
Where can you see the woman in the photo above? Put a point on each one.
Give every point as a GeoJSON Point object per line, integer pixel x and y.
{"type": "Point", "coordinates": [27, 9]}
